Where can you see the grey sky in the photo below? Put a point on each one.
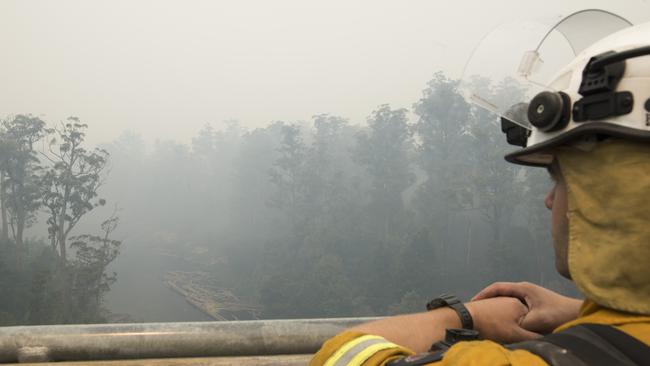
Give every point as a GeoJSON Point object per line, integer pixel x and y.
{"type": "Point", "coordinates": [166, 68]}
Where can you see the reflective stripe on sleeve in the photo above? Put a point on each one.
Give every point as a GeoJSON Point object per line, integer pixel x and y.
{"type": "Point", "coordinates": [358, 350]}
{"type": "Point", "coordinates": [364, 355]}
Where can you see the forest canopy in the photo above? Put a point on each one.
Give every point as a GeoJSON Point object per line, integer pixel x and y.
{"type": "Point", "coordinates": [319, 218]}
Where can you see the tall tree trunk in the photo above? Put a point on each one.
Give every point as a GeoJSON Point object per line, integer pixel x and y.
{"type": "Point", "coordinates": [4, 235]}
{"type": "Point", "coordinates": [20, 216]}
{"type": "Point", "coordinates": [18, 219]}
{"type": "Point", "coordinates": [20, 229]}
{"type": "Point", "coordinates": [20, 248]}
{"type": "Point", "coordinates": [61, 225]}
{"type": "Point", "coordinates": [61, 237]}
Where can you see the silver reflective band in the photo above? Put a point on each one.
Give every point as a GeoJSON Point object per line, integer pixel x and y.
{"type": "Point", "coordinates": [352, 352]}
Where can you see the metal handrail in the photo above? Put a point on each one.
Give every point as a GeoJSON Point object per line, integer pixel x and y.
{"type": "Point", "coordinates": [168, 340]}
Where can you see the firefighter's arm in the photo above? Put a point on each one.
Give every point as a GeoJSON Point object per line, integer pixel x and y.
{"type": "Point", "coordinates": [380, 342]}
{"type": "Point", "coordinates": [497, 319]}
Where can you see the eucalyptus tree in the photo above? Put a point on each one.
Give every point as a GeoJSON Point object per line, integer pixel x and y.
{"type": "Point", "coordinates": [287, 172]}
{"type": "Point", "coordinates": [19, 166]}
{"type": "Point", "coordinates": [384, 151]}
{"type": "Point", "coordinates": [71, 182]}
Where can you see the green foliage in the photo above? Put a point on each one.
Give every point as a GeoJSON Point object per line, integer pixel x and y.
{"type": "Point", "coordinates": [71, 182]}
{"type": "Point", "coordinates": [384, 152]}
{"type": "Point", "coordinates": [328, 219]}
{"type": "Point", "coordinates": [317, 219]}
{"type": "Point", "coordinates": [43, 285]}
{"type": "Point", "coordinates": [36, 291]}
{"type": "Point", "coordinates": [287, 170]}
{"type": "Point", "coordinates": [433, 208]}
{"type": "Point", "coordinates": [19, 168]}
{"type": "Point", "coordinates": [93, 254]}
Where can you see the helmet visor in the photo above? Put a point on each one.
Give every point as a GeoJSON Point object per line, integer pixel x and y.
{"type": "Point", "coordinates": [519, 59]}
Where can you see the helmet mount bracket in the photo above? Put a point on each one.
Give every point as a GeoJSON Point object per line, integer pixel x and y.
{"type": "Point", "coordinates": [601, 79]}
{"type": "Point", "coordinates": [598, 85]}
{"type": "Point", "coordinates": [603, 105]}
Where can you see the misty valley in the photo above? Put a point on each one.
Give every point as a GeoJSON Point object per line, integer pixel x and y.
{"type": "Point", "coordinates": [304, 219]}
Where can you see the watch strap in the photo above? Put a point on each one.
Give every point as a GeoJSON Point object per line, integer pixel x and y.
{"type": "Point", "coordinates": [454, 303]}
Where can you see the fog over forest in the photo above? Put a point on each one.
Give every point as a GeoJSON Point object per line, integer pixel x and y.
{"type": "Point", "coordinates": [166, 160]}
{"type": "Point", "coordinates": [319, 218]}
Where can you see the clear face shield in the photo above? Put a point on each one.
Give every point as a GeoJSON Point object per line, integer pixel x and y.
{"type": "Point", "coordinates": [518, 60]}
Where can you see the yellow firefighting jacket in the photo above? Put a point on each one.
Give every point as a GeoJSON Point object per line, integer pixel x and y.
{"type": "Point", "coordinates": [357, 349]}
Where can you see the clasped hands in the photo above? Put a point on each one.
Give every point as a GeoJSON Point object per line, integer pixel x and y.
{"type": "Point", "coordinates": [510, 312]}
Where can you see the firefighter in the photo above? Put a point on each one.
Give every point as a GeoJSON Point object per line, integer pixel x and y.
{"type": "Point", "coordinates": [591, 129]}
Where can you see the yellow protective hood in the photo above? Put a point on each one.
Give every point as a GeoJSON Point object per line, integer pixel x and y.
{"type": "Point", "coordinates": [608, 189]}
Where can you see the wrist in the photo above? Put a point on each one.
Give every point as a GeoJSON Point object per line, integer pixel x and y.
{"type": "Point", "coordinates": [575, 305]}
{"type": "Point", "coordinates": [571, 309]}
{"type": "Point", "coordinates": [450, 330]}
{"type": "Point", "coordinates": [452, 302]}
{"type": "Point", "coordinates": [440, 320]}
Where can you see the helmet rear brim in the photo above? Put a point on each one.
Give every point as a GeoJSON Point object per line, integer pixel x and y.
{"type": "Point", "coordinates": [541, 155]}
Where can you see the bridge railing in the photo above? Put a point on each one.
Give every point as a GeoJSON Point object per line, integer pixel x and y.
{"type": "Point", "coordinates": [260, 342]}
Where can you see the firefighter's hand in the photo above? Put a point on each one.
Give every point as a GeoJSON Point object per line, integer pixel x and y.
{"type": "Point", "coordinates": [546, 309]}
{"type": "Point", "coordinates": [499, 319]}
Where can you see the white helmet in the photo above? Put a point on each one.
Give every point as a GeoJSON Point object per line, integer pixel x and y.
{"type": "Point", "coordinates": [604, 91]}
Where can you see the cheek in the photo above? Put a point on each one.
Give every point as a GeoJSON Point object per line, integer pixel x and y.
{"type": "Point", "coordinates": [559, 212]}
{"type": "Point", "coordinates": [560, 199]}
{"type": "Point", "coordinates": [550, 197]}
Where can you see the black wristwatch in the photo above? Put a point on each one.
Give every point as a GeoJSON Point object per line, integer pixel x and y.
{"type": "Point", "coordinates": [453, 302]}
